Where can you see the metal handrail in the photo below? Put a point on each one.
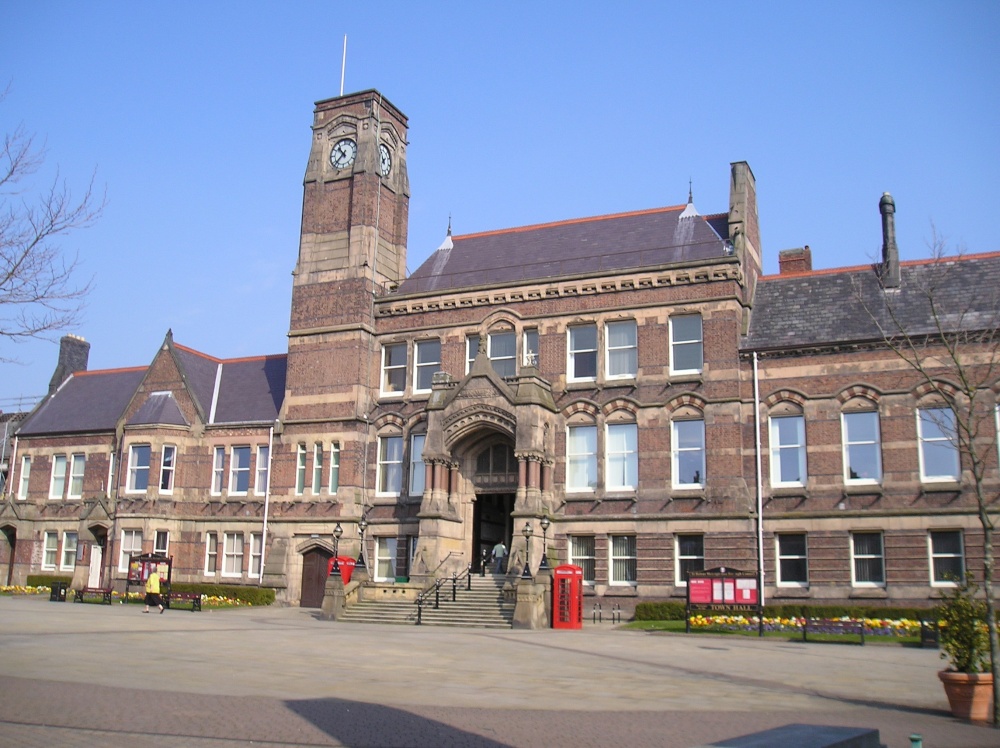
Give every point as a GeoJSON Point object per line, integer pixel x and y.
{"type": "Point", "coordinates": [436, 589]}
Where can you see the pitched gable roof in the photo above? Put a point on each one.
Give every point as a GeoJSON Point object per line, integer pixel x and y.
{"type": "Point", "coordinates": [586, 246]}
{"type": "Point", "coordinates": [160, 408]}
{"type": "Point", "coordinates": [251, 389]}
{"type": "Point", "coordinates": [87, 401]}
{"type": "Point", "coordinates": [823, 308]}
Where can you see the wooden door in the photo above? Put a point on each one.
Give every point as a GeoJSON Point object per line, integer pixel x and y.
{"type": "Point", "coordinates": [315, 565]}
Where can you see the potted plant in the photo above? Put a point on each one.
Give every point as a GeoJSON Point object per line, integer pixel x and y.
{"type": "Point", "coordinates": [968, 682]}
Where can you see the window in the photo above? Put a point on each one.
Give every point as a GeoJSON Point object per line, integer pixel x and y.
{"type": "Point", "coordinates": [530, 348]}
{"type": "Point", "coordinates": [582, 553]}
{"type": "Point", "coordinates": [862, 448]}
{"type": "Point", "coordinates": [581, 458]}
{"type": "Point", "coordinates": [502, 351]}
{"type": "Point", "coordinates": [427, 364]}
{"type": "Point", "coordinates": [256, 554]}
{"type": "Point", "coordinates": [622, 465]}
{"type": "Point", "coordinates": [22, 487]}
{"type": "Point", "coordinates": [167, 468]}
{"type": "Point", "coordinates": [793, 567]}
{"type": "Point", "coordinates": [417, 465]}
{"type": "Point", "coordinates": [385, 559]}
{"type": "Point", "coordinates": [49, 550]}
{"type": "Point", "coordinates": [263, 468]}
{"type": "Point", "coordinates": [390, 465]}
{"type": "Point", "coordinates": [239, 471]}
{"type": "Point", "coordinates": [57, 486]}
{"type": "Point", "coordinates": [161, 542]}
{"type": "Point", "coordinates": [131, 546]}
{"type": "Point", "coordinates": [67, 561]}
{"type": "Point", "coordinates": [471, 351]}
{"type": "Point", "coordinates": [232, 554]}
{"type": "Point", "coordinates": [623, 560]}
{"type": "Point", "coordinates": [787, 435]}
{"type": "Point", "coordinates": [688, 454]}
{"type": "Point", "coordinates": [686, 354]}
{"type": "Point", "coordinates": [300, 470]}
{"type": "Point", "coordinates": [868, 560]}
{"type": "Point", "coordinates": [317, 485]}
{"type": "Point", "coordinates": [334, 467]}
{"type": "Point", "coordinates": [690, 550]}
{"type": "Point", "coordinates": [138, 468]}
{"type": "Point", "coordinates": [218, 469]}
{"type": "Point", "coordinates": [582, 353]}
{"type": "Point", "coordinates": [947, 558]}
{"type": "Point", "coordinates": [938, 445]}
{"type": "Point", "coordinates": [211, 553]}
{"type": "Point", "coordinates": [394, 369]}
{"type": "Point", "coordinates": [622, 360]}
{"type": "Point", "coordinates": [76, 467]}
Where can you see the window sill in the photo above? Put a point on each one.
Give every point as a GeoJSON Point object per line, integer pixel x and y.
{"type": "Point", "coordinates": [868, 593]}
{"type": "Point", "coordinates": [679, 377]}
{"type": "Point", "coordinates": [622, 589]}
{"type": "Point", "coordinates": [791, 593]}
{"type": "Point", "coordinates": [943, 486]}
{"type": "Point", "coordinates": [688, 493]}
{"type": "Point", "coordinates": [862, 489]}
{"type": "Point", "coordinates": [789, 492]}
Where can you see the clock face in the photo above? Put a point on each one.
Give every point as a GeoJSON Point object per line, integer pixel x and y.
{"type": "Point", "coordinates": [343, 153]}
{"type": "Point", "coordinates": [384, 160]}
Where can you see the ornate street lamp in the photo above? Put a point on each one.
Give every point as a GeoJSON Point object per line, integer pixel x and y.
{"type": "Point", "coordinates": [526, 573]}
{"type": "Point", "coordinates": [545, 533]}
{"type": "Point", "coordinates": [337, 532]}
{"type": "Point", "coordinates": [362, 526]}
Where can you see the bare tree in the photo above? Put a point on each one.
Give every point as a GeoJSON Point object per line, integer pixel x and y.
{"type": "Point", "coordinates": [40, 289]}
{"type": "Point", "coordinates": [942, 318]}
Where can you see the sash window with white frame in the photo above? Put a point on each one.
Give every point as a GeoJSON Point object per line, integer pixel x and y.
{"type": "Point", "coordinates": [256, 554]}
{"type": "Point", "coordinates": [689, 553]}
{"type": "Point", "coordinates": [688, 452]}
{"type": "Point", "coordinates": [793, 559]}
{"type": "Point", "coordinates": [239, 471]}
{"type": "Point", "coordinates": [427, 363]}
{"type": "Point", "coordinates": [502, 350]}
{"type": "Point", "coordinates": [50, 549]}
{"type": "Point", "coordinates": [77, 464]}
{"type": "Point", "coordinates": [25, 477]}
{"type": "Point", "coordinates": [138, 468]}
{"type": "Point", "coordinates": [300, 469]}
{"type": "Point", "coordinates": [867, 559]}
{"type": "Point", "coordinates": [582, 364]}
{"type": "Point", "coordinates": [67, 561]}
{"type": "Point", "coordinates": [385, 559]}
{"type": "Point", "coordinates": [211, 553]}
{"type": "Point", "coordinates": [232, 554]}
{"type": "Point", "coordinates": [417, 464]}
{"type": "Point", "coordinates": [57, 486]}
{"type": "Point", "coordinates": [862, 447]}
{"type": "Point", "coordinates": [317, 481]}
{"type": "Point", "coordinates": [530, 357]}
{"type": "Point", "coordinates": [131, 546]}
{"type": "Point", "coordinates": [393, 369]}
{"type": "Point", "coordinates": [939, 458]}
{"type": "Point", "coordinates": [161, 542]}
{"type": "Point", "coordinates": [167, 458]}
{"type": "Point", "coordinates": [623, 559]}
{"type": "Point", "coordinates": [218, 470]}
{"type": "Point", "coordinates": [334, 483]}
{"type": "Point", "coordinates": [787, 436]}
{"type": "Point", "coordinates": [583, 553]}
{"type": "Point", "coordinates": [622, 352]}
{"type": "Point", "coordinates": [621, 471]}
{"type": "Point", "coordinates": [390, 465]}
{"type": "Point", "coordinates": [686, 345]}
{"type": "Point", "coordinates": [947, 557]}
{"type": "Point", "coordinates": [581, 458]}
{"type": "Point", "coordinates": [263, 466]}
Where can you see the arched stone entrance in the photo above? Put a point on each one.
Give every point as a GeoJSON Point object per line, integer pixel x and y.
{"type": "Point", "coordinates": [495, 483]}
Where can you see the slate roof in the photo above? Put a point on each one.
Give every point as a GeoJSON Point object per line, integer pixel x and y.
{"type": "Point", "coordinates": [586, 246]}
{"type": "Point", "coordinates": [250, 390]}
{"type": "Point", "coordinates": [823, 308]}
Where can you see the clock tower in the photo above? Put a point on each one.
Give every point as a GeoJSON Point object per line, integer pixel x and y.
{"type": "Point", "coordinates": [352, 248]}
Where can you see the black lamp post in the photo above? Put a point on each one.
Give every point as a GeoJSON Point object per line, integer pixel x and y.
{"type": "Point", "coordinates": [362, 526]}
{"type": "Point", "coordinates": [526, 573]}
{"type": "Point", "coordinates": [545, 536]}
{"type": "Point", "coordinates": [337, 532]}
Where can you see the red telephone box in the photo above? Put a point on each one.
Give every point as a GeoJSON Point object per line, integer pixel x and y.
{"type": "Point", "coordinates": [567, 597]}
{"type": "Point", "coordinates": [346, 564]}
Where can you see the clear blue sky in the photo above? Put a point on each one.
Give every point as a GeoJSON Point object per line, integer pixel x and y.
{"type": "Point", "coordinates": [196, 117]}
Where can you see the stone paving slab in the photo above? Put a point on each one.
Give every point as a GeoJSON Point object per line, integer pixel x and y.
{"type": "Point", "coordinates": [80, 674]}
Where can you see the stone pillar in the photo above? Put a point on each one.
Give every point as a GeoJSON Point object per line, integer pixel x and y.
{"type": "Point", "coordinates": [530, 605]}
{"type": "Point", "coordinates": [334, 599]}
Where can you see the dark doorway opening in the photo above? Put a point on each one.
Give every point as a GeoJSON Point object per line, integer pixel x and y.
{"type": "Point", "coordinates": [11, 534]}
{"type": "Point", "coordinates": [491, 523]}
{"type": "Point", "coordinates": [315, 568]}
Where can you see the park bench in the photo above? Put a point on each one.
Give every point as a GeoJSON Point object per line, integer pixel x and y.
{"type": "Point", "coordinates": [104, 592]}
{"type": "Point", "coordinates": [832, 626]}
{"type": "Point", "coordinates": [183, 597]}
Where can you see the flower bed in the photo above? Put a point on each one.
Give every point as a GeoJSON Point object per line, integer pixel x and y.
{"type": "Point", "coordinates": [873, 626]}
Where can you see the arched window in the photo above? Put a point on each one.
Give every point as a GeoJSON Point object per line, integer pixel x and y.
{"type": "Point", "coordinates": [496, 468]}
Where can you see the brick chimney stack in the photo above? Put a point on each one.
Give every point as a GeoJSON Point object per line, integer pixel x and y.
{"type": "Point", "coordinates": [795, 261]}
{"type": "Point", "coordinates": [74, 353]}
{"type": "Point", "coordinates": [889, 271]}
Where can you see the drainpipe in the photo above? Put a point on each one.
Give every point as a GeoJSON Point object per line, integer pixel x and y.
{"type": "Point", "coordinates": [267, 503]}
{"type": "Point", "coordinates": [760, 481]}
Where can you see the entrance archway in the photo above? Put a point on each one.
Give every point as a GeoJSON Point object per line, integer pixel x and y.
{"type": "Point", "coordinates": [10, 533]}
{"type": "Point", "coordinates": [495, 481]}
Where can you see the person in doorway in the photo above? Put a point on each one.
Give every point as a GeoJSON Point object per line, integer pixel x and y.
{"type": "Point", "coordinates": [153, 591]}
{"type": "Point", "coordinates": [498, 556]}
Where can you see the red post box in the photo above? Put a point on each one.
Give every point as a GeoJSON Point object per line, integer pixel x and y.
{"type": "Point", "coordinates": [346, 564]}
{"type": "Point", "coordinates": [567, 597]}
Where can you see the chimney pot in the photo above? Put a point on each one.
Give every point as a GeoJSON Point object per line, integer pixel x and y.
{"type": "Point", "coordinates": [791, 261]}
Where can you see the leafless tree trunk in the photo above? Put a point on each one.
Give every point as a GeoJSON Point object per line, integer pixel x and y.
{"type": "Point", "coordinates": [950, 337]}
{"type": "Point", "coordinates": [40, 289]}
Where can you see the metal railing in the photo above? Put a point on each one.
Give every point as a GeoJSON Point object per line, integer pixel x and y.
{"type": "Point", "coordinates": [435, 589]}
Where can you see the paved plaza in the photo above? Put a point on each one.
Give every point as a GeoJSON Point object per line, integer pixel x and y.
{"type": "Point", "coordinates": [94, 675]}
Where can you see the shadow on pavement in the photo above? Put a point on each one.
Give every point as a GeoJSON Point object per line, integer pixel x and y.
{"type": "Point", "coordinates": [362, 725]}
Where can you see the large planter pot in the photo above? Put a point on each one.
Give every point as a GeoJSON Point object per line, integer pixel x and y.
{"type": "Point", "coordinates": [970, 695]}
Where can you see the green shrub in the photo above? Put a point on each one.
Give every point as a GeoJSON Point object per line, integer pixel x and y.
{"type": "Point", "coordinates": [965, 642]}
{"type": "Point", "coordinates": [46, 580]}
{"type": "Point", "coordinates": [258, 596]}
{"type": "Point", "coordinates": [666, 610]}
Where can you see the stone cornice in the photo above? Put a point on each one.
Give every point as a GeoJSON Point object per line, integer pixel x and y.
{"type": "Point", "coordinates": [390, 306]}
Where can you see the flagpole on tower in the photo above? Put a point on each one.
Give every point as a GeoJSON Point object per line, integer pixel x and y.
{"type": "Point", "coordinates": [343, 64]}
